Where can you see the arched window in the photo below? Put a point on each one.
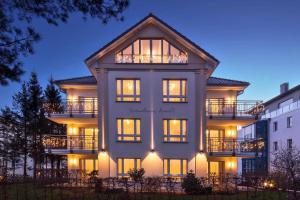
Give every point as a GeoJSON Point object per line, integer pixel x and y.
{"type": "Point", "coordinates": [151, 51]}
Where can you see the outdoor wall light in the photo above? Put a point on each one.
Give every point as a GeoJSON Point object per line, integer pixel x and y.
{"type": "Point", "coordinates": [103, 152]}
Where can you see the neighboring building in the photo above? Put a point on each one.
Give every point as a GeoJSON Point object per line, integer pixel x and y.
{"type": "Point", "coordinates": [281, 119]}
{"type": "Point", "coordinates": [151, 102]}
{"type": "Point", "coordinates": [256, 134]}
{"type": "Point", "coordinates": [283, 113]}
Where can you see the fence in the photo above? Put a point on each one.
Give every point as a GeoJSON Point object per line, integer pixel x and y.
{"type": "Point", "coordinates": [61, 184]}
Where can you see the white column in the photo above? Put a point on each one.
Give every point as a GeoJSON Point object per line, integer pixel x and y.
{"type": "Point", "coordinates": [201, 160]}
{"type": "Point", "coordinates": [103, 157]}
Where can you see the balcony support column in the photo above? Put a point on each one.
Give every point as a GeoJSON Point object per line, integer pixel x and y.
{"type": "Point", "coordinates": [201, 160]}
{"type": "Point", "coordinates": [102, 91]}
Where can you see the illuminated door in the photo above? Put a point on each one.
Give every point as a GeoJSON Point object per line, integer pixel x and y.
{"type": "Point", "coordinates": [215, 106]}
{"type": "Point", "coordinates": [216, 168]}
{"type": "Point", "coordinates": [215, 140]}
{"type": "Point", "coordinates": [87, 104]}
{"type": "Point", "coordinates": [89, 138]}
{"type": "Point", "coordinates": [89, 165]}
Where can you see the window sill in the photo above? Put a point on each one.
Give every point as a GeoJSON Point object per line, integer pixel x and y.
{"type": "Point", "coordinates": [175, 142]}
{"type": "Point", "coordinates": [175, 101]}
{"type": "Point", "coordinates": [128, 101]}
{"type": "Point", "coordinates": [121, 141]}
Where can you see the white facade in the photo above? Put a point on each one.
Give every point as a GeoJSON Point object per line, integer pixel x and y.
{"type": "Point", "coordinates": [168, 132]}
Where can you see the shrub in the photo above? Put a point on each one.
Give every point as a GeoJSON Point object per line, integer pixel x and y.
{"type": "Point", "coordinates": [136, 174]}
{"type": "Point", "coordinates": [191, 184]}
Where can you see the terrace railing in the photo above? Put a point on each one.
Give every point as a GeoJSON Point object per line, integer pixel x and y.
{"type": "Point", "coordinates": [73, 142]}
{"type": "Point", "coordinates": [234, 147]}
{"type": "Point", "coordinates": [236, 108]}
{"type": "Point", "coordinates": [84, 106]}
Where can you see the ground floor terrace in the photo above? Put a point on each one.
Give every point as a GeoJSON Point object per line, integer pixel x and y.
{"type": "Point", "coordinates": [154, 164]}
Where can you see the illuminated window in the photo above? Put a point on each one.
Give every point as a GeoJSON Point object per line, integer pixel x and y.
{"type": "Point", "coordinates": [175, 167]}
{"type": "Point", "coordinates": [151, 51]}
{"type": "Point", "coordinates": [89, 165]}
{"type": "Point", "coordinates": [174, 91]}
{"type": "Point", "coordinates": [87, 139]}
{"type": "Point", "coordinates": [126, 164]}
{"type": "Point", "coordinates": [174, 130]}
{"type": "Point", "coordinates": [129, 129]}
{"type": "Point", "coordinates": [128, 90]}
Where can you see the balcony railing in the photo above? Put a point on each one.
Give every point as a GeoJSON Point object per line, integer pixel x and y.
{"type": "Point", "coordinates": [70, 143]}
{"type": "Point", "coordinates": [234, 147]}
{"type": "Point", "coordinates": [86, 106]}
{"type": "Point", "coordinates": [236, 108]}
{"type": "Point", "coordinates": [132, 58]}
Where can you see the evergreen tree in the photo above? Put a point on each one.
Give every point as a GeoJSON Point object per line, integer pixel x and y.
{"type": "Point", "coordinates": [21, 107]}
{"type": "Point", "coordinates": [11, 139]}
{"type": "Point", "coordinates": [37, 122]}
{"type": "Point", "coordinates": [52, 98]}
{"type": "Point", "coordinates": [53, 104]}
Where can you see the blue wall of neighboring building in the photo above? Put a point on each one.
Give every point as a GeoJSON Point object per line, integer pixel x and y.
{"type": "Point", "coordinates": [259, 164]}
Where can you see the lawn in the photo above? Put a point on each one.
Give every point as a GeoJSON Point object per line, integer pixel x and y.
{"type": "Point", "coordinates": [37, 192]}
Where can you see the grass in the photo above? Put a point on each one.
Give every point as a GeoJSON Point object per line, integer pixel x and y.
{"type": "Point", "coordinates": [37, 192]}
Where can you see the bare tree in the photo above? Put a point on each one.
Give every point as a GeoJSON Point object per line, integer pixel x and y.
{"type": "Point", "coordinates": [286, 161]}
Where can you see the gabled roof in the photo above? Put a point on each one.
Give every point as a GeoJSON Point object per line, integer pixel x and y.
{"type": "Point", "coordinates": [278, 97]}
{"type": "Point", "coordinates": [166, 25]}
{"type": "Point", "coordinates": [84, 80]}
{"type": "Point", "coordinates": [91, 80]}
{"type": "Point", "coordinates": [214, 81]}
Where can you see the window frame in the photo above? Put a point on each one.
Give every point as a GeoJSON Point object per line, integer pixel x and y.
{"type": "Point", "coordinates": [275, 146]}
{"type": "Point", "coordinates": [275, 126]}
{"type": "Point", "coordinates": [181, 167]}
{"type": "Point", "coordinates": [122, 174]}
{"type": "Point", "coordinates": [289, 143]}
{"type": "Point", "coordinates": [136, 97]}
{"type": "Point", "coordinates": [168, 136]}
{"type": "Point", "coordinates": [151, 49]}
{"type": "Point", "coordinates": [122, 135]}
{"type": "Point", "coordinates": [166, 98]}
{"type": "Point", "coordinates": [289, 121]}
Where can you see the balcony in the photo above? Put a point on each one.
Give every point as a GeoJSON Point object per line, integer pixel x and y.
{"type": "Point", "coordinates": [165, 59]}
{"type": "Point", "coordinates": [71, 108]}
{"type": "Point", "coordinates": [235, 147]}
{"type": "Point", "coordinates": [220, 108]}
{"type": "Point", "coordinates": [62, 144]}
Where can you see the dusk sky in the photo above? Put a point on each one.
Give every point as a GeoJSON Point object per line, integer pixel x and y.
{"type": "Point", "coordinates": [255, 41]}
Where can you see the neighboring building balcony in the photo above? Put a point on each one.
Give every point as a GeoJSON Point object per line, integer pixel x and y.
{"type": "Point", "coordinates": [88, 107]}
{"type": "Point", "coordinates": [77, 144]}
{"type": "Point", "coordinates": [280, 111]}
{"type": "Point", "coordinates": [235, 147]}
{"type": "Point", "coordinates": [220, 108]}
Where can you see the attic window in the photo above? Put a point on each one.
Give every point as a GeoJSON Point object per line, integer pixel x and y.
{"type": "Point", "coordinates": [151, 51]}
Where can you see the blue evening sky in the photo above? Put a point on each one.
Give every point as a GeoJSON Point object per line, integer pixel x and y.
{"type": "Point", "coordinates": [256, 41]}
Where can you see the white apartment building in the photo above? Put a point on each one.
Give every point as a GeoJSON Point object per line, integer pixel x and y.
{"type": "Point", "coordinates": [283, 113]}
{"type": "Point", "coordinates": [152, 103]}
